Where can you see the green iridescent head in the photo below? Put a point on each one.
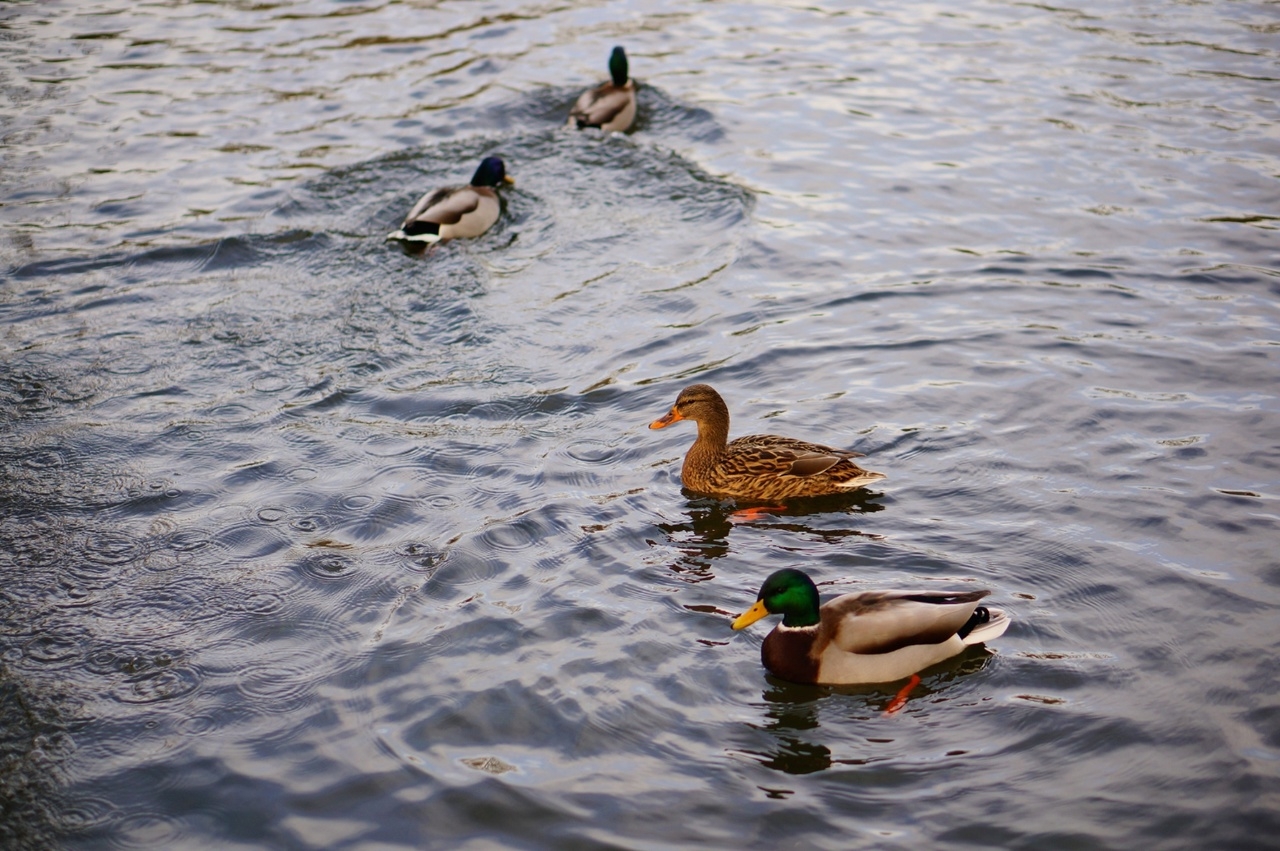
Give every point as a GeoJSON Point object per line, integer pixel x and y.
{"type": "Point", "coordinates": [618, 66]}
{"type": "Point", "coordinates": [787, 592]}
{"type": "Point", "coordinates": [492, 172]}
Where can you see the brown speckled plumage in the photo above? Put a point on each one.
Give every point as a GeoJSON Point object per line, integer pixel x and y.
{"type": "Point", "coordinates": [763, 467]}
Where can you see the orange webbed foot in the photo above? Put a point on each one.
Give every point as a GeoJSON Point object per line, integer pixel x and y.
{"type": "Point", "coordinates": [746, 515]}
{"type": "Point", "coordinates": [900, 699]}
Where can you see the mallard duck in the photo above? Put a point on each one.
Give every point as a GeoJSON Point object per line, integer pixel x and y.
{"type": "Point", "coordinates": [610, 106]}
{"type": "Point", "coordinates": [454, 212]}
{"type": "Point", "coordinates": [762, 467]}
{"type": "Point", "coordinates": [867, 637]}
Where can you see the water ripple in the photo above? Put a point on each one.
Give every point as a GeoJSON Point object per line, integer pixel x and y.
{"type": "Point", "coordinates": [328, 566]}
{"type": "Point", "coordinates": [158, 685]}
{"type": "Point", "coordinates": [273, 487]}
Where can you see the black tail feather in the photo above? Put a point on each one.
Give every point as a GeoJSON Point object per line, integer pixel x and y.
{"type": "Point", "coordinates": [978, 618]}
{"type": "Point", "coordinates": [417, 228]}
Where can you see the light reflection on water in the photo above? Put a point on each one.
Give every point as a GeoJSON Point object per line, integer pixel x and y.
{"type": "Point", "coordinates": [308, 542]}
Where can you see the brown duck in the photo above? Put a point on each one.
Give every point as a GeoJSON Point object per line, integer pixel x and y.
{"type": "Point", "coordinates": [762, 467]}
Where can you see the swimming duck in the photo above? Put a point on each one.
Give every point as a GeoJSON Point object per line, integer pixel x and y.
{"type": "Point", "coordinates": [453, 212]}
{"type": "Point", "coordinates": [610, 106]}
{"type": "Point", "coordinates": [866, 637]}
{"type": "Point", "coordinates": [762, 467]}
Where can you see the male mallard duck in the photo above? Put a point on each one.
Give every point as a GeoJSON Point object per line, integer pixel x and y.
{"type": "Point", "coordinates": [453, 212]}
{"type": "Point", "coordinates": [760, 467]}
{"type": "Point", "coordinates": [610, 106]}
{"type": "Point", "coordinates": [867, 637]}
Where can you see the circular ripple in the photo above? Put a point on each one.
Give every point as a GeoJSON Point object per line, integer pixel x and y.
{"type": "Point", "coordinates": [142, 622]}
{"type": "Point", "coordinates": [126, 364]}
{"type": "Point", "coordinates": [52, 649]}
{"type": "Point", "coordinates": [590, 451]}
{"type": "Point", "coordinates": [232, 413]}
{"type": "Point", "coordinates": [197, 725]}
{"type": "Point", "coordinates": [248, 542]}
{"type": "Point", "coordinates": [271, 383]}
{"type": "Point", "coordinates": [128, 660]}
{"type": "Point", "coordinates": [259, 595]}
{"type": "Point", "coordinates": [102, 662]}
{"type": "Point", "coordinates": [357, 502]}
{"type": "Point", "coordinates": [187, 541]}
{"type": "Point", "coordinates": [382, 446]}
{"type": "Point", "coordinates": [328, 565]}
{"type": "Point", "coordinates": [260, 603]}
{"type": "Point", "coordinates": [167, 610]}
{"type": "Point", "coordinates": [181, 547]}
{"type": "Point", "coordinates": [148, 830]}
{"type": "Point", "coordinates": [422, 558]}
{"type": "Point", "coordinates": [85, 813]}
{"type": "Point", "coordinates": [466, 568]}
{"type": "Point", "coordinates": [310, 523]}
{"type": "Point", "coordinates": [111, 548]}
{"type": "Point", "coordinates": [514, 536]}
{"type": "Point", "coordinates": [159, 685]}
{"type": "Point", "coordinates": [271, 514]}
{"type": "Point", "coordinates": [276, 687]}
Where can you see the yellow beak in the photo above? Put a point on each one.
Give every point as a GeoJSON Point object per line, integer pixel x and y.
{"type": "Point", "coordinates": [506, 178]}
{"type": "Point", "coordinates": [751, 615]}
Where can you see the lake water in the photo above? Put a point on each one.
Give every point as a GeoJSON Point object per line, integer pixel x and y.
{"type": "Point", "coordinates": [307, 542]}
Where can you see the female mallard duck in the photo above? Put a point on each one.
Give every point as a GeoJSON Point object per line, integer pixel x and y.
{"type": "Point", "coordinates": [454, 212]}
{"type": "Point", "coordinates": [867, 637]}
{"type": "Point", "coordinates": [610, 106]}
{"type": "Point", "coordinates": [760, 467]}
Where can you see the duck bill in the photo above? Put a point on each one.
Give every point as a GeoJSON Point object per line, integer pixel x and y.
{"type": "Point", "coordinates": [509, 180]}
{"type": "Point", "coordinates": [673, 416]}
{"type": "Point", "coordinates": [750, 616]}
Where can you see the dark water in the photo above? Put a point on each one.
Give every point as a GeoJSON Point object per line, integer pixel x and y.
{"type": "Point", "coordinates": [310, 543]}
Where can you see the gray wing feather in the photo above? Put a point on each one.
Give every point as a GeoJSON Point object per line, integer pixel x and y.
{"type": "Point", "coordinates": [599, 106]}
{"type": "Point", "coordinates": [884, 621]}
{"type": "Point", "coordinates": [444, 206]}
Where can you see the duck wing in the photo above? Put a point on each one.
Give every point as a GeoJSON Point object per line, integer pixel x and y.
{"type": "Point", "coordinates": [772, 455]}
{"type": "Point", "coordinates": [885, 621]}
{"type": "Point", "coordinates": [599, 106]}
{"type": "Point", "coordinates": [444, 206]}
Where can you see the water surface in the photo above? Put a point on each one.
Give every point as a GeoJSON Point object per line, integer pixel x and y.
{"type": "Point", "coordinates": [310, 542]}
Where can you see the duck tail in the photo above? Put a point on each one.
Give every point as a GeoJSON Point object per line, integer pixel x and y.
{"type": "Point", "coordinates": [860, 479]}
{"type": "Point", "coordinates": [984, 625]}
{"type": "Point", "coordinates": [417, 231]}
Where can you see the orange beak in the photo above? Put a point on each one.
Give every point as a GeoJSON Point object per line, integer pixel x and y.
{"type": "Point", "coordinates": [673, 416]}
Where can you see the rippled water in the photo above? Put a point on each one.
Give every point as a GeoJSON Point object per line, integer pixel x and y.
{"type": "Point", "coordinates": [308, 542]}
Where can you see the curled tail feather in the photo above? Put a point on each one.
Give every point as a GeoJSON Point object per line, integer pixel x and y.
{"type": "Point", "coordinates": [984, 625]}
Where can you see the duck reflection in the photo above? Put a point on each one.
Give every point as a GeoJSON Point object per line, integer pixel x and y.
{"type": "Point", "coordinates": [791, 713]}
{"type": "Point", "coordinates": [702, 539]}
{"type": "Point", "coordinates": [704, 536]}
